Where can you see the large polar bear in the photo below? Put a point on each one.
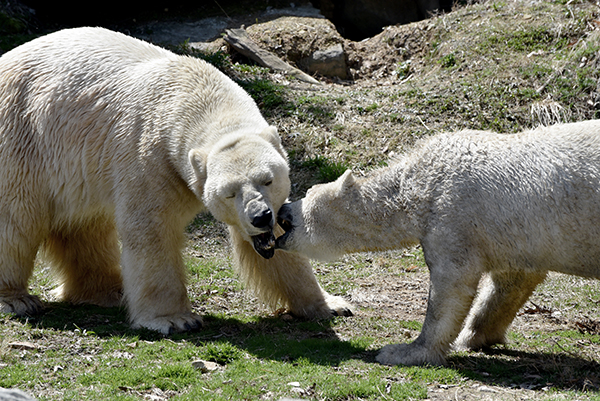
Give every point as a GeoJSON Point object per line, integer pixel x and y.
{"type": "Point", "coordinates": [505, 208]}
{"type": "Point", "coordinates": [108, 142]}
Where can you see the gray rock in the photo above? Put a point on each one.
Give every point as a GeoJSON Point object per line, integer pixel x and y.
{"type": "Point", "coordinates": [205, 366]}
{"type": "Point", "coordinates": [330, 62]}
{"type": "Point", "coordinates": [7, 394]}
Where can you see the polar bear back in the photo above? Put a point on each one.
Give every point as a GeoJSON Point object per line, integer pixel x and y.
{"type": "Point", "coordinates": [82, 108]}
{"type": "Point", "coordinates": [521, 199]}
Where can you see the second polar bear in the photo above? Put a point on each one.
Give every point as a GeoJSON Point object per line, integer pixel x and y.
{"type": "Point", "coordinates": [108, 142]}
{"type": "Point", "coordinates": [504, 209]}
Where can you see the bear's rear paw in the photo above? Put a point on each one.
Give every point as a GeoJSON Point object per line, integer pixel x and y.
{"type": "Point", "coordinates": [170, 324]}
{"type": "Point", "coordinates": [469, 340]}
{"type": "Point", "coordinates": [325, 308]}
{"type": "Point", "coordinates": [21, 305]}
{"type": "Point", "coordinates": [408, 354]}
{"type": "Point", "coordinates": [338, 306]}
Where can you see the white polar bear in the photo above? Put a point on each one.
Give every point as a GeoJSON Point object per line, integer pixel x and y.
{"type": "Point", "coordinates": [108, 142]}
{"type": "Point", "coordinates": [507, 208]}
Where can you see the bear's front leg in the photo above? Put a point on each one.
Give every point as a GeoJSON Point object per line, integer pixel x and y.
{"type": "Point", "coordinates": [155, 293]}
{"type": "Point", "coordinates": [286, 279]}
{"type": "Point", "coordinates": [154, 276]}
{"type": "Point", "coordinates": [451, 293]}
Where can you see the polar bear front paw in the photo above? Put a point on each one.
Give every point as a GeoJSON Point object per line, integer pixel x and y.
{"type": "Point", "coordinates": [408, 354]}
{"type": "Point", "coordinates": [21, 305]}
{"type": "Point", "coordinates": [168, 325]}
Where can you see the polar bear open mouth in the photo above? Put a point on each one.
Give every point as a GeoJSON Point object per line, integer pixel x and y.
{"type": "Point", "coordinates": [264, 244]}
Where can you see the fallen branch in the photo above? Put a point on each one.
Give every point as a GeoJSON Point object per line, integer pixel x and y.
{"type": "Point", "coordinates": [240, 41]}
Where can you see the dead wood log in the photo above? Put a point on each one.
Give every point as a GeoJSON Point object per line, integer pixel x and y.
{"type": "Point", "coordinates": [240, 41]}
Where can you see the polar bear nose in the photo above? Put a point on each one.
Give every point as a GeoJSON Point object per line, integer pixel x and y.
{"type": "Point", "coordinates": [263, 219]}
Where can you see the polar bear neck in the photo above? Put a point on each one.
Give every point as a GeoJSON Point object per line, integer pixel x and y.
{"type": "Point", "coordinates": [374, 213]}
{"type": "Point", "coordinates": [387, 209]}
{"type": "Point", "coordinates": [387, 199]}
{"type": "Point", "coordinates": [207, 108]}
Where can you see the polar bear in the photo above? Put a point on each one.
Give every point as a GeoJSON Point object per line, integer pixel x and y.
{"type": "Point", "coordinates": [108, 147]}
{"type": "Point", "coordinates": [503, 209]}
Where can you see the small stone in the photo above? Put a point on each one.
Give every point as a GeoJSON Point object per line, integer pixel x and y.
{"type": "Point", "coordinates": [286, 317]}
{"type": "Point", "coordinates": [486, 389]}
{"type": "Point", "coordinates": [23, 345]}
{"type": "Point", "coordinates": [14, 395]}
{"type": "Point", "coordinates": [205, 366]}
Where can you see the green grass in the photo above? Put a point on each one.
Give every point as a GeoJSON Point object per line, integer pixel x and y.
{"type": "Point", "coordinates": [90, 353]}
{"type": "Point", "coordinates": [448, 61]}
{"type": "Point", "coordinates": [326, 170]}
{"type": "Point", "coordinates": [526, 40]}
{"type": "Point", "coordinates": [269, 96]}
{"type": "Point", "coordinates": [254, 364]}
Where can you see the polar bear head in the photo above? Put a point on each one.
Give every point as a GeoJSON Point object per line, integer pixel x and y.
{"type": "Point", "coordinates": [244, 180]}
{"type": "Point", "coordinates": [318, 225]}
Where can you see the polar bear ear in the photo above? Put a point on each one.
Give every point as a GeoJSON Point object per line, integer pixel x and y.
{"type": "Point", "coordinates": [270, 134]}
{"type": "Point", "coordinates": [346, 180]}
{"type": "Point", "coordinates": [197, 159]}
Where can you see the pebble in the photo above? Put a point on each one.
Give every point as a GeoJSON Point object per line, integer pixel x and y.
{"type": "Point", "coordinates": [205, 366]}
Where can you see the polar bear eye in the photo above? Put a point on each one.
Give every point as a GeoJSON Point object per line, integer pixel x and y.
{"type": "Point", "coordinates": [266, 184]}
{"type": "Point", "coordinates": [230, 196]}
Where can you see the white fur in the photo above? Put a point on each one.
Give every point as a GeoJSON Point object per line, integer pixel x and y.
{"type": "Point", "coordinates": [105, 138]}
{"type": "Point", "coordinates": [505, 208]}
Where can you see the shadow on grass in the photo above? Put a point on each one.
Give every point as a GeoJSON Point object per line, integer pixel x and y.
{"type": "Point", "coordinates": [272, 338]}
{"type": "Point", "coordinates": [288, 341]}
{"type": "Point", "coordinates": [529, 370]}
{"type": "Point", "coordinates": [263, 337]}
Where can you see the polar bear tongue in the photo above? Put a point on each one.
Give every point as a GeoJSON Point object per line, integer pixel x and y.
{"type": "Point", "coordinates": [264, 244]}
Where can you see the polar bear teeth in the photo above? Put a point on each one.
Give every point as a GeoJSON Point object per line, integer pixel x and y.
{"type": "Point", "coordinates": [267, 240]}
{"type": "Point", "coordinates": [285, 224]}
{"type": "Point", "coordinates": [264, 244]}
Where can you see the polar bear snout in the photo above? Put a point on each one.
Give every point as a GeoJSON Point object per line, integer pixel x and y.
{"type": "Point", "coordinates": [259, 214]}
{"type": "Point", "coordinates": [263, 219]}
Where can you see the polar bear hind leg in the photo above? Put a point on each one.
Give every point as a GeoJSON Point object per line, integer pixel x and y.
{"type": "Point", "coordinates": [286, 279]}
{"type": "Point", "coordinates": [501, 296]}
{"type": "Point", "coordinates": [85, 259]}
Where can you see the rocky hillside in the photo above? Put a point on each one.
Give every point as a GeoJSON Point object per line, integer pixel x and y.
{"type": "Point", "coordinates": [501, 66]}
